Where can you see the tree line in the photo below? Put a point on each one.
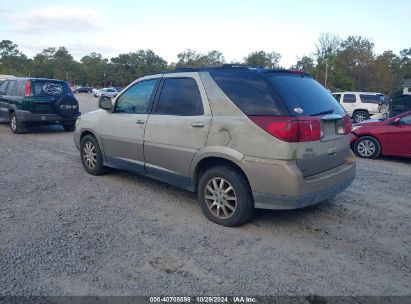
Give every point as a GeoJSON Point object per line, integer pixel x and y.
{"type": "Point", "coordinates": [349, 64]}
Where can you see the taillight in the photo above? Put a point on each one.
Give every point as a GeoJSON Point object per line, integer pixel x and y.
{"type": "Point", "coordinates": [290, 129]}
{"type": "Point", "coordinates": [309, 128]}
{"type": "Point", "coordinates": [27, 89]}
{"type": "Point", "coordinates": [347, 122]}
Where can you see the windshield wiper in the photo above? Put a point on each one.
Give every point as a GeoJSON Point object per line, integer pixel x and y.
{"type": "Point", "coordinates": [323, 112]}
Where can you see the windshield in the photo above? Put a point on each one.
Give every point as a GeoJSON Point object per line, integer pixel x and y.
{"type": "Point", "coordinates": [304, 96]}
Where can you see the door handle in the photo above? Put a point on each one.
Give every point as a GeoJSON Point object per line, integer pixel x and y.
{"type": "Point", "coordinates": [197, 124]}
{"type": "Point", "coordinates": [140, 122]}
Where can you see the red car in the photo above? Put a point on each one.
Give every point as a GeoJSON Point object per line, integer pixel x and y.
{"type": "Point", "coordinates": [390, 137]}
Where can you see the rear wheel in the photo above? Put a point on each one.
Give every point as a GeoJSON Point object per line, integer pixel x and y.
{"type": "Point", "coordinates": [225, 196]}
{"type": "Point", "coordinates": [15, 124]}
{"type": "Point", "coordinates": [367, 147]}
{"type": "Point", "coordinates": [360, 116]}
{"type": "Point", "coordinates": [91, 156]}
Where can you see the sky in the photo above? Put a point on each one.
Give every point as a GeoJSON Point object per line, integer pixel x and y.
{"type": "Point", "coordinates": [236, 28]}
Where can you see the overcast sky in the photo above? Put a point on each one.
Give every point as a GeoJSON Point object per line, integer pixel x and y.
{"type": "Point", "coordinates": [236, 28]}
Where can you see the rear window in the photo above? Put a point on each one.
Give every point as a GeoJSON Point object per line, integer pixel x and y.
{"type": "Point", "coordinates": [304, 96]}
{"type": "Point", "coordinates": [249, 91]}
{"type": "Point", "coordinates": [48, 88]}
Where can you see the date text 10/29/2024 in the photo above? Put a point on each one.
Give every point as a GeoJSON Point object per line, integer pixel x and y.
{"type": "Point", "coordinates": [203, 299]}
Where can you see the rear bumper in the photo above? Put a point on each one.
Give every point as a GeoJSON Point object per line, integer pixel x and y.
{"type": "Point", "coordinates": [278, 202]}
{"type": "Point", "coordinates": [26, 116]}
{"type": "Point", "coordinates": [281, 185]}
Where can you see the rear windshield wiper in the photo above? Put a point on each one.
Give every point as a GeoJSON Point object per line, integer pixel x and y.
{"type": "Point", "coordinates": [323, 112]}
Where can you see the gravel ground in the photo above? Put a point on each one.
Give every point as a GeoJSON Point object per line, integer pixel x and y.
{"type": "Point", "coordinates": [64, 232]}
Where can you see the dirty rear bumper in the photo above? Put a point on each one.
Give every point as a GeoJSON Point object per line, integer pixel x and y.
{"type": "Point", "coordinates": [272, 201]}
{"type": "Point", "coordinates": [281, 185]}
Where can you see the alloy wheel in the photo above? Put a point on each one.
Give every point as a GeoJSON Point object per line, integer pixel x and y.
{"type": "Point", "coordinates": [90, 155]}
{"type": "Point", "coordinates": [366, 148]}
{"type": "Point", "coordinates": [13, 122]}
{"type": "Point", "coordinates": [220, 197]}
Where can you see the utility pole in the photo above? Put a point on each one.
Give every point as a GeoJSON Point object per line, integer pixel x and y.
{"type": "Point", "coordinates": [326, 73]}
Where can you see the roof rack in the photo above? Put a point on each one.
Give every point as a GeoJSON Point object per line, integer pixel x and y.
{"type": "Point", "coordinates": [222, 67]}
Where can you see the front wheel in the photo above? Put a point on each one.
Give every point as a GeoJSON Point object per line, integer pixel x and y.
{"type": "Point", "coordinates": [225, 196]}
{"type": "Point", "coordinates": [91, 156]}
{"type": "Point", "coordinates": [367, 147]}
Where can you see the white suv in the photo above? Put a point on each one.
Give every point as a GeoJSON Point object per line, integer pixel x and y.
{"type": "Point", "coordinates": [360, 105]}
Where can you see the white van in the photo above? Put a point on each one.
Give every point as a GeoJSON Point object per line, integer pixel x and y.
{"type": "Point", "coordinates": [360, 105]}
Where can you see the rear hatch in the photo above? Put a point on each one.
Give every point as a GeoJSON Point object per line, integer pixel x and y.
{"type": "Point", "coordinates": [44, 95]}
{"type": "Point", "coordinates": [323, 143]}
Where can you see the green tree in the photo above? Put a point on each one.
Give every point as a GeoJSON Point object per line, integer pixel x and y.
{"type": "Point", "coordinates": [261, 58]}
{"type": "Point", "coordinates": [355, 58]}
{"type": "Point", "coordinates": [305, 64]}
{"type": "Point", "coordinates": [190, 58]}
{"type": "Point", "coordinates": [12, 61]}
{"type": "Point", "coordinates": [125, 68]}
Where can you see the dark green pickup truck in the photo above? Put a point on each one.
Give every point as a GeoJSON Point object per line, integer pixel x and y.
{"type": "Point", "coordinates": [25, 101]}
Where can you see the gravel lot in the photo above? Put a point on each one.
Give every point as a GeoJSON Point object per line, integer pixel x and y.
{"type": "Point", "coordinates": [64, 232]}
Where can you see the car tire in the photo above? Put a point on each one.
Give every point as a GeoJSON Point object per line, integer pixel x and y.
{"type": "Point", "coordinates": [69, 127]}
{"type": "Point", "coordinates": [360, 116]}
{"type": "Point", "coordinates": [16, 125]}
{"type": "Point", "coordinates": [367, 147]}
{"type": "Point", "coordinates": [91, 156]}
{"type": "Point", "coordinates": [225, 196]}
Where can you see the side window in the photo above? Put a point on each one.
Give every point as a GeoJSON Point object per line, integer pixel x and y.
{"type": "Point", "coordinates": [370, 98]}
{"type": "Point", "coordinates": [10, 87]}
{"type": "Point", "coordinates": [19, 88]}
{"type": "Point", "coordinates": [180, 96]}
{"type": "Point", "coordinates": [3, 88]}
{"type": "Point", "coordinates": [406, 120]}
{"type": "Point", "coordinates": [349, 98]}
{"type": "Point", "coordinates": [337, 97]}
{"type": "Point", "coordinates": [136, 98]}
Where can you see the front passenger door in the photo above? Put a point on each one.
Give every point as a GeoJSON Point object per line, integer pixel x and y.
{"type": "Point", "coordinates": [122, 131]}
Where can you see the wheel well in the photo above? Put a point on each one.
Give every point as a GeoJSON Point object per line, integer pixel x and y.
{"type": "Point", "coordinates": [360, 110]}
{"type": "Point", "coordinates": [210, 162]}
{"type": "Point", "coordinates": [86, 133]}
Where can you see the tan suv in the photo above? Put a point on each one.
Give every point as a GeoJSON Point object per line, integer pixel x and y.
{"type": "Point", "coordinates": [241, 138]}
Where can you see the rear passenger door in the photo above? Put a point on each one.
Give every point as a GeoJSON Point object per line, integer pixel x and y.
{"type": "Point", "coordinates": [176, 128]}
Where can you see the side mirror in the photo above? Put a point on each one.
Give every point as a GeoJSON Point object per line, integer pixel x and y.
{"type": "Point", "coordinates": [396, 121]}
{"type": "Point", "coordinates": [105, 103]}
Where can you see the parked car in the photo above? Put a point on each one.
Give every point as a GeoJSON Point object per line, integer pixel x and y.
{"type": "Point", "coordinates": [241, 138]}
{"type": "Point", "coordinates": [118, 88]}
{"type": "Point", "coordinates": [389, 137]}
{"type": "Point", "coordinates": [84, 90]}
{"type": "Point", "coordinates": [361, 105]}
{"type": "Point", "coordinates": [399, 104]}
{"type": "Point", "coordinates": [25, 101]}
{"type": "Point", "coordinates": [108, 92]}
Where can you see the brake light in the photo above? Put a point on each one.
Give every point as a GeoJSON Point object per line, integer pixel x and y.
{"type": "Point", "coordinates": [309, 128]}
{"type": "Point", "coordinates": [27, 89]}
{"type": "Point", "coordinates": [347, 122]}
{"type": "Point", "coordinates": [290, 129]}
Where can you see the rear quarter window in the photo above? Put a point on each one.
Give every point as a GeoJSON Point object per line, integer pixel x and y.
{"type": "Point", "coordinates": [370, 98]}
{"type": "Point", "coordinates": [249, 91]}
{"type": "Point", "coordinates": [48, 88]}
{"type": "Point", "coordinates": [304, 93]}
